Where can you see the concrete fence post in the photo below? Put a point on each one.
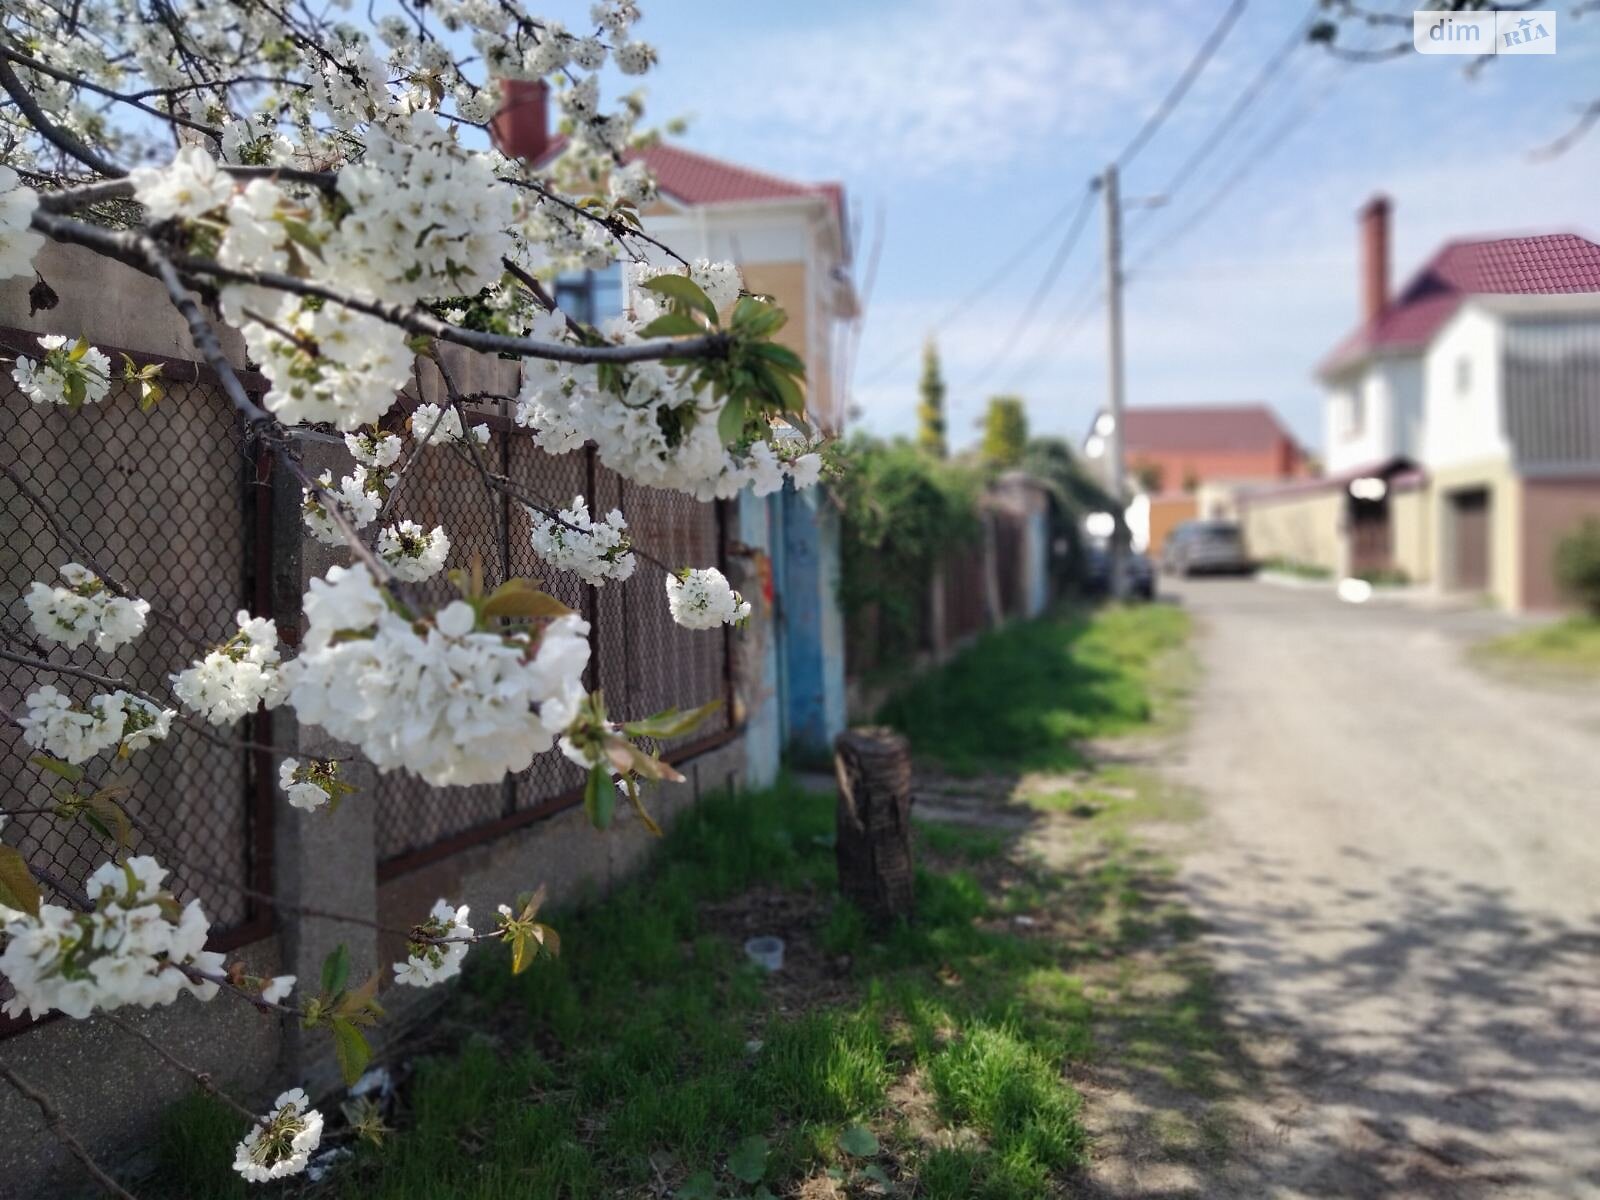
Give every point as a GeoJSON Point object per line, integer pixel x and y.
{"type": "Point", "coordinates": [325, 859]}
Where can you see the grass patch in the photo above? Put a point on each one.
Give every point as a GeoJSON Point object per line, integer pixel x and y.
{"type": "Point", "coordinates": [1028, 696]}
{"type": "Point", "coordinates": [652, 1057]}
{"type": "Point", "coordinates": [1568, 646]}
{"type": "Point", "coordinates": [651, 1049]}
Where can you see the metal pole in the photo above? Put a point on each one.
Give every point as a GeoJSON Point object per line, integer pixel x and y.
{"type": "Point", "coordinates": [1119, 574]}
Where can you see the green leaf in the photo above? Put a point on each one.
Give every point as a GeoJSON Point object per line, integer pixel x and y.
{"type": "Point", "coordinates": [68, 771]}
{"type": "Point", "coordinates": [780, 356]}
{"type": "Point", "coordinates": [878, 1176]}
{"type": "Point", "coordinates": [17, 887]}
{"type": "Point", "coordinates": [685, 291]}
{"type": "Point", "coordinates": [520, 597]}
{"type": "Point", "coordinates": [699, 1186]}
{"type": "Point", "coordinates": [520, 958]}
{"type": "Point", "coordinates": [858, 1141]}
{"type": "Point", "coordinates": [730, 422]}
{"type": "Point", "coordinates": [783, 386]}
{"type": "Point", "coordinates": [112, 818]}
{"type": "Point", "coordinates": [336, 969]}
{"type": "Point", "coordinates": [599, 797]}
{"type": "Point", "coordinates": [636, 798]}
{"type": "Point", "coordinates": [758, 319]}
{"type": "Point", "coordinates": [672, 324]}
{"type": "Point", "coordinates": [79, 349]}
{"type": "Point", "coordinates": [77, 390]}
{"type": "Point", "coordinates": [670, 723]}
{"type": "Point", "coordinates": [523, 603]}
{"type": "Point", "coordinates": [350, 1045]}
{"type": "Point", "coordinates": [748, 1162]}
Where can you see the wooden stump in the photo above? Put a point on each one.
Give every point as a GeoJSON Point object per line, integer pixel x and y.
{"type": "Point", "coordinates": [873, 843]}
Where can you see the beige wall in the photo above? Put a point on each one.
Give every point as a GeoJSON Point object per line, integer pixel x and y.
{"type": "Point", "coordinates": [1411, 532]}
{"type": "Point", "coordinates": [1505, 526]}
{"type": "Point", "coordinates": [1551, 509]}
{"type": "Point", "coordinates": [1166, 514]}
{"type": "Point", "coordinates": [1303, 527]}
{"type": "Point", "coordinates": [785, 282]}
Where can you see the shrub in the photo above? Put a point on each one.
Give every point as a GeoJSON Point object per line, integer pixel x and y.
{"type": "Point", "coordinates": [1578, 565]}
{"type": "Point", "coordinates": [901, 511]}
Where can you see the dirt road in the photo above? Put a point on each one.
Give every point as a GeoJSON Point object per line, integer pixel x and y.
{"type": "Point", "coordinates": [1400, 870]}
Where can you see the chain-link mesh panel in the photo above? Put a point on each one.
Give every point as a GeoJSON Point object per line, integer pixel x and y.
{"type": "Point", "coordinates": [552, 482]}
{"type": "Point", "coordinates": [666, 664]}
{"type": "Point", "coordinates": [446, 488]}
{"type": "Point", "coordinates": [159, 503]}
{"type": "Point", "coordinates": [641, 660]}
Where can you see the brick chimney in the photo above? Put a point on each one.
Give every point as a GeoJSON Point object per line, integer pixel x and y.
{"type": "Point", "coordinates": [1374, 218]}
{"type": "Point", "coordinates": [521, 127]}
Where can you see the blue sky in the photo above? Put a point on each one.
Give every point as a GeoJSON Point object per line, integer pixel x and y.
{"type": "Point", "coordinates": [966, 125]}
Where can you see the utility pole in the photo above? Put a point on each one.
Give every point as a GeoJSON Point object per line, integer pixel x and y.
{"type": "Point", "coordinates": [1119, 544]}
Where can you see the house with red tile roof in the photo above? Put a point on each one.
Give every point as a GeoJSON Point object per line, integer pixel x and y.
{"type": "Point", "coordinates": [790, 240]}
{"type": "Point", "coordinates": [1462, 416]}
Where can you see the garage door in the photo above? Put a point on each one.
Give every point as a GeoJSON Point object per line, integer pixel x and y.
{"type": "Point", "coordinates": [1470, 540]}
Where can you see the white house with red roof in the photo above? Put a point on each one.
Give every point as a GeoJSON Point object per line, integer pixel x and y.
{"type": "Point", "coordinates": [790, 240]}
{"type": "Point", "coordinates": [1462, 416]}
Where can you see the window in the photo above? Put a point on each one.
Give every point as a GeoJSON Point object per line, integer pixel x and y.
{"type": "Point", "coordinates": [1355, 413]}
{"type": "Point", "coordinates": [590, 297]}
{"type": "Point", "coordinates": [1463, 375]}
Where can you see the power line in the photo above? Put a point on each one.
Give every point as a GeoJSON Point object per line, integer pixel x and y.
{"type": "Point", "coordinates": [1168, 105]}
{"type": "Point", "coordinates": [1174, 97]}
{"type": "Point", "coordinates": [1258, 154]}
{"type": "Point", "coordinates": [989, 283]}
{"type": "Point", "coordinates": [1052, 272]}
{"type": "Point", "coordinates": [1242, 105]}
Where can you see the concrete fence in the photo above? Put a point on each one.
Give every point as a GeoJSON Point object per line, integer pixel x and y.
{"type": "Point", "coordinates": [169, 502]}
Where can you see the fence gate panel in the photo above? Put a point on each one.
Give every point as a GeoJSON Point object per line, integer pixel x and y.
{"type": "Point", "coordinates": [164, 503]}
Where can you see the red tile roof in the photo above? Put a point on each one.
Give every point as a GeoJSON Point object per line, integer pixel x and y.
{"type": "Point", "coordinates": [694, 178]}
{"type": "Point", "coordinates": [1240, 428]}
{"type": "Point", "coordinates": [1548, 264]}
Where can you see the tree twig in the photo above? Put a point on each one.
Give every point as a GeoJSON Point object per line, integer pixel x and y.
{"type": "Point", "coordinates": [57, 1125]}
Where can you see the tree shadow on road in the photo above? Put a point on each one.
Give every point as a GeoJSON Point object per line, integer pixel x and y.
{"type": "Point", "coordinates": [1450, 1047]}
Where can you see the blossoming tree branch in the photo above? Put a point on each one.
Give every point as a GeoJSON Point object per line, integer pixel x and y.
{"type": "Point", "coordinates": [326, 187]}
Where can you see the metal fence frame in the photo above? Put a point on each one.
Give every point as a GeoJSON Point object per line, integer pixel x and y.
{"type": "Point", "coordinates": [595, 604]}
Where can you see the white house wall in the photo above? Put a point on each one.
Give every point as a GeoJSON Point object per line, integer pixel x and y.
{"type": "Point", "coordinates": [1464, 393]}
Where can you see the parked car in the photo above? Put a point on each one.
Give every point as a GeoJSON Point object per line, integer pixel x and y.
{"type": "Point", "coordinates": [1141, 573]}
{"type": "Point", "coordinates": [1206, 547]}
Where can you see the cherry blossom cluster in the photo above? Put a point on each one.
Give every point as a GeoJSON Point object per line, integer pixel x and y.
{"type": "Point", "coordinates": [310, 784]}
{"type": "Point", "coordinates": [438, 696]}
{"type": "Point", "coordinates": [236, 677]}
{"type": "Point", "coordinates": [282, 1142]}
{"type": "Point", "coordinates": [432, 426]}
{"type": "Point", "coordinates": [413, 553]}
{"type": "Point", "coordinates": [69, 374]}
{"type": "Point", "coordinates": [374, 449]}
{"type": "Point", "coordinates": [596, 551]}
{"type": "Point", "coordinates": [430, 962]}
{"type": "Point", "coordinates": [654, 429]}
{"type": "Point", "coordinates": [75, 734]}
{"type": "Point", "coordinates": [128, 950]}
{"type": "Point", "coordinates": [84, 610]}
{"type": "Point", "coordinates": [703, 600]}
{"type": "Point", "coordinates": [18, 242]}
{"type": "Point", "coordinates": [358, 499]}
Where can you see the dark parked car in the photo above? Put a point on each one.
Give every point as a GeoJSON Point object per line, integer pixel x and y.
{"type": "Point", "coordinates": [1206, 547]}
{"type": "Point", "coordinates": [1141, 574]}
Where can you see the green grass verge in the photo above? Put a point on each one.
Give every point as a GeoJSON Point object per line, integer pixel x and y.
{"type": "Point", "coordinates": [651, 1053]}
{"type": "Point", "coordinates": [1028, 696]}
{"type": "Point", "coordinates": [1571, 645]}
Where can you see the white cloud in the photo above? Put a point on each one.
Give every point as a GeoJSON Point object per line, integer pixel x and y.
{"type": "Point", "coordinates": [917, 90]}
